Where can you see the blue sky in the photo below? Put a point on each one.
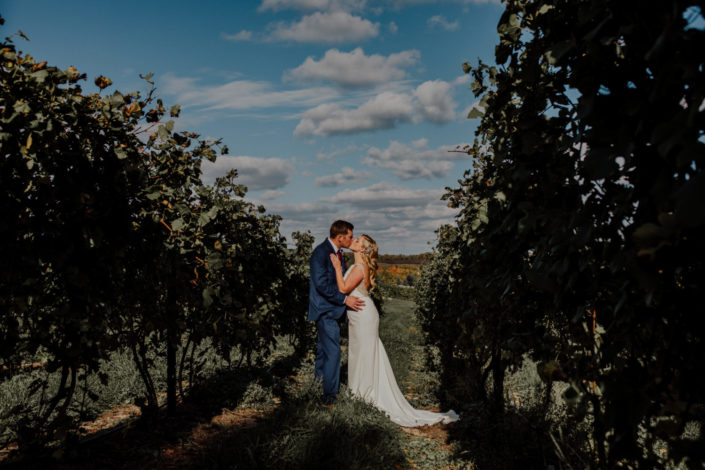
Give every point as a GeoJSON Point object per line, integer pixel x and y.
{"type": "Point", "coordinates": [330, 108]}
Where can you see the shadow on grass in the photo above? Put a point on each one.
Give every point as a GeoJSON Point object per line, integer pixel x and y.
{"type": "Point", "coordinates": [258, 417]}
{"type": "Point", "coordinates": [515, 438]}
{"type": "Point", "coordinates": [142, 443]}
{"type": "Point", "coordinates": [302, 433]}
{"type": "Point", "coordinates": [231, 421]}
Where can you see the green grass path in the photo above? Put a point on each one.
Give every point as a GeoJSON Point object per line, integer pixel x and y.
{"type": "Point", "coordinates": [301, 433]}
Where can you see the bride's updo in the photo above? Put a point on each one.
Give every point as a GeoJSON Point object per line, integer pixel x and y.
{"type": "Point", "coordinates": [369, 256]}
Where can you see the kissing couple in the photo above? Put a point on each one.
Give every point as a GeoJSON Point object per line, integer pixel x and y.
{"type": "Point", "coordinates": [333, 294]}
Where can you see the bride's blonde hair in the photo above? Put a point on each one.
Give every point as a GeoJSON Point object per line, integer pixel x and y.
{"type": "Point", "coordinates": [369, 256]}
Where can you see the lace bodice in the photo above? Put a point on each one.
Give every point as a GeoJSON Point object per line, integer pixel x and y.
{"type": "Point", "coordinates": [360, 290]}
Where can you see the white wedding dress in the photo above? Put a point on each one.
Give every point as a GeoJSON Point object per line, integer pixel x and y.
{"type": "Point", "coordinates": [370, 374]}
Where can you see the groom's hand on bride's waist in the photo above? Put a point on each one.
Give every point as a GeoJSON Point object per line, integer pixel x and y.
{"type": "Point", "coordinates": [355, 303]}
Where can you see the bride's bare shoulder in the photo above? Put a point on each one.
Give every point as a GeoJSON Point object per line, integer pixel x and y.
{"type": "Point", "coordinates": [359, 265]}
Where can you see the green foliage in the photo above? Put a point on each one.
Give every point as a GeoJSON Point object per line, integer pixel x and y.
{"type": "Point", "coordinates": [464, 372]}
{"type": "Point", "coordinates": [577, 239]}
{"type": "Point", "coordinates": [113, 242]}
{"type": "Point", "coordinates": [396, 337]}
{"type": "Point", "coordinates": [386, 289]}
{"type": "Point", "coordinates": [70, 172]}
{"type": "Point", "coordinates": [293, 298]}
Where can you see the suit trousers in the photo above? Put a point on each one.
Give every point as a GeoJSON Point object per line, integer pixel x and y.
{"type": "Point", "coordinates": [328, 355]}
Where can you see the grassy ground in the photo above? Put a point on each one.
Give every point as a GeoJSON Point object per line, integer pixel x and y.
{"type": "Point", "coordinates": [300, 433]}
{"type": "Point", "coordinates": [270, 417]}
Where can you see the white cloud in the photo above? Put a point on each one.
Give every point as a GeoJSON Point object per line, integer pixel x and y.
{"type": "Point", "coordinates": [404, 3]}
{"type": "Point", "coordinates": [177, 85]}
{"type": "Point", "coordinates": [322, 5]}
{"type": "Point", "coordinates": [439, 21]}
{"type": "Point", "coordinates": [351, 5]}
{"type": "Point", "coordinates": [421, 143]}
{"type": "Point", "coordinates": [436, 103]}
{"type": "Point", "coordinates": [385, 195]}
{"type": "Point", "coordinates": [399, 218]}
{"type": "Point", "coordinates": [430, 100]}
{"type": "Point", "coordinates": [314, 216]}
{"type": "Point", "coordinates": [243, 35]}
{"type": "Point", "coordinates": [345, 177]}
{"type": "Point", "coordinates": [271, 194]}
{"type": "Point", "coordinates": [416, 161]}
{"type": "Point", "coordinates": [278, 5]}
{"type": "Point", "coordinates": [255, 173]}
{"type": "Point", "coordinates": [242, 94]}
{"type": "Point", "coordinates": [302, 211]}
{"type": "Point", "coordinates": [461, 80]}
{"type": "Point", "coordinates": [327, 27]}
{"type": "Point", "coordinates": [334, 153]}
{"type": "Point", "coordinates": [393, 28]}
{"type": "Point", "coordinates": [384, 111]}
{"type": "Point", "coordinates": [354, 68]}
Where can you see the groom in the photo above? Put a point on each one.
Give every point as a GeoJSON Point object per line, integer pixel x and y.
{"type": "Point", "coordinates": [326, 306]}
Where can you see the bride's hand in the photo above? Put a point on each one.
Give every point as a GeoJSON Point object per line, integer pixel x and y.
{"type": "Point", "coordinates": [336, 262]}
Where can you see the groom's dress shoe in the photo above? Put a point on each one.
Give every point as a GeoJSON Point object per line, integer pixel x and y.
{"type": "Point", "coordinates": [328, 401]}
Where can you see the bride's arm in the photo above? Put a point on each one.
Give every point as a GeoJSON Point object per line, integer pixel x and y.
{"type": "Point", "coordinates": [346, 285]}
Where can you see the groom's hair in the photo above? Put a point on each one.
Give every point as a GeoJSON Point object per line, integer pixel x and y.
{"type": "Point", "coordinates": [340, 227]}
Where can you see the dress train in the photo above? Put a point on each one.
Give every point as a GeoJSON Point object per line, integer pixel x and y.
{"type": "Point", "coordinates": [370, 375]}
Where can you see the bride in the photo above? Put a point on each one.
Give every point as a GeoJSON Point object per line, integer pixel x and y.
{"type": "Point", "coordinates": [370, 374]}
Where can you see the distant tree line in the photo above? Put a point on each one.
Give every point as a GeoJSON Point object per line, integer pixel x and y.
{"type": "Point", "coordinates": [422, 258]}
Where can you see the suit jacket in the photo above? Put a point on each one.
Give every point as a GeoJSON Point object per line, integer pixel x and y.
{"type": "Point", "coordinates": [324, 296]}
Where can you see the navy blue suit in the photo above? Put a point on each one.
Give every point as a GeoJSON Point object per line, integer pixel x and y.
{"type": "Point", "coordinates": [326, 305]}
